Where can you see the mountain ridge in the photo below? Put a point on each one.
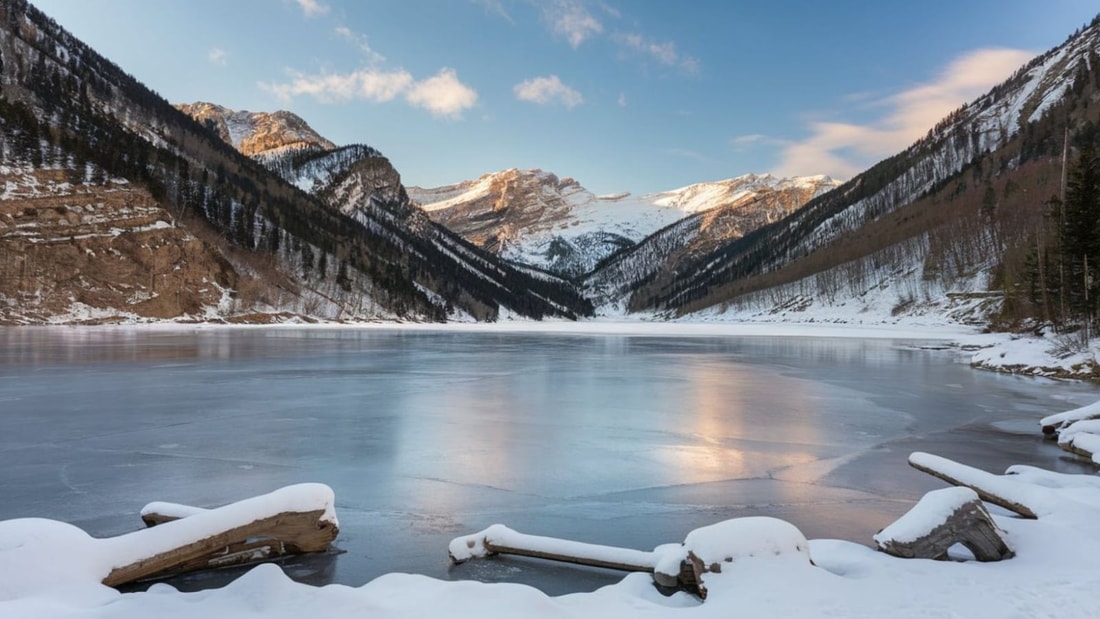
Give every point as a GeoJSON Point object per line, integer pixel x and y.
{"type": "Point", "coordinates": [535, 217]}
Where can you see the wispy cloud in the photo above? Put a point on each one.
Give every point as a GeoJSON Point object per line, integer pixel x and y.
{"type": "Point", "coordinates": [443, 95]}
{"type": "Point", "coordinates": [217, 56]}
{"type": "Point", "coordinates": [687, 153]}
{"type": "Point", "coordinates": [495, 7]}
{"type": "Point", "coordinates": [361, 42]}
{"type": "Point", "coordinates": [663, 52]}
{"type": "Point", "coordinates": [312, 8]}
{"type": "Point", "coordinates": [842, 149]}
{"type": "Point", "coordinates": [622, 99]}
{"type": "Point", "coordinates": [547, 90]}
{"type": "Point", "coordinates": [572, 20]}
{"type": "Point", "coordinates": [745, 142]}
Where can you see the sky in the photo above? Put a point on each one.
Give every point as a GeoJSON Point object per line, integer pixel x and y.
{"type": "Point", "coordinates": [622, 95]}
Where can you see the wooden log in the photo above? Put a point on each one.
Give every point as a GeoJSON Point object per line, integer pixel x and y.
{"type": "Point", "coordinates": [991, 488]}
{"type": "Point", "coordinates": [925, 532]}
{"type": "Point", "coordinates": [499, 539]}
{"type": "Point", "coordinates": [576, 559]}
{"type": "Point", "coordinates": [289, 532]}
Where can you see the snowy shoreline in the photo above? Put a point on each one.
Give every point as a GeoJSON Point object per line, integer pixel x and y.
{"type": "Point", "coordinates": [1011, 353]}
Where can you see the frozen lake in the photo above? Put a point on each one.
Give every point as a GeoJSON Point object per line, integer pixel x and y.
{"type": "Point", "coordinates": [426, 435]}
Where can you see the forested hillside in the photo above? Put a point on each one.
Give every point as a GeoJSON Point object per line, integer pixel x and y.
{"type": "Point", "coordinates": [75, 126]}
{"type": "Point", "coordinates": [972, 200]}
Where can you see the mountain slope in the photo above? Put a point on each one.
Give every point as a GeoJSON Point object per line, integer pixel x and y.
{"type": "Point", "coordinates": [268, 247]}
{"type": "Point", "coordinates": [923, 197]}
{"type": "Point", "coordinates": [533, 217]}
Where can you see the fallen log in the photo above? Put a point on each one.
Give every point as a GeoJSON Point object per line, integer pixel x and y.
{"type": "Point", "coordinates": [680, 566]}
{"type": "Point", "coordinates": [1081, 438]}
{"type": "Point", "coordinates": [991, 488]}
{"type": "Point", "coordinates": [1051, 424]}
{"type": "Point", "coordinates": [941, 519]}
{"type": "Point", "coordinates": [499, 539]}
{"type": "Point", "coordinates": [293, 520]}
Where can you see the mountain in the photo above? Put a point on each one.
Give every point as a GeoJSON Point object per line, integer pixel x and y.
{"type": "Point", "coordinates": [360, 183]}
{"type": "Point", "coordinates": [121, 207]}
{"type": "Point", "coordinates": [951, 221]}
{"type": "Point", "coordinates": [537, 218]}
{"type": "Point", "coordinates": [256, 133]}
{"type": "Point", "coordinates": [719, 212]}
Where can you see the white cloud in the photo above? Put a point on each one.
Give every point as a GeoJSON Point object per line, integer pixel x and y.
{"type": "Point", "coordinates": [217, 56]}
{"type": "Point", "coordinates": [665, 53]}
{"type": "Point", "coordinates": [312, 8]}
{"type": "Point", "coordinates": [367, 84]}
{"type": "Point", "coordinates": [545, 90]}
{"type": "Point", "coordinates": [622, 99]}
{"type": "Point", "coordinates": [842, 149]}
{"type": "Point", "coordinates": [442, 94]}
{"type": "Point", "coordinates": [571, 20]}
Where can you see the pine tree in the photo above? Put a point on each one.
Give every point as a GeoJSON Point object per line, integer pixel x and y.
{"type": "Point", "coordinates": [1081, 233]}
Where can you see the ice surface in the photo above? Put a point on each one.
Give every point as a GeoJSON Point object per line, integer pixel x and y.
{"type": "Point", "coordinates": [614, 437]}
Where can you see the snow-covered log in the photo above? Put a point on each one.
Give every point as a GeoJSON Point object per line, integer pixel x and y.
{"type": "Point", "coordinates": [679, 566]}
{"type": "Point", "coordinates": [1051, 424]}
{"type": "Point", "coordinates": [941, 519]}
{"type": "Point", "coordinates": [499, 539]}
{"type": "Point", "coordinates": [1005, 492]}
{"type": "Point", "coordinates": [706, 550]}
{"type": "Point", "coordinates": [159, 512]}
{"type": "Point", "coordinates": [1081, 438]}
{"type": "Point", "coordinates": [291, 520]}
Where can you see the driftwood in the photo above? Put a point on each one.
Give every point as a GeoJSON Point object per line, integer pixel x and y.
{"type": "Point", "coordinates": [925, 534]}
{"type": "Point", "coordinates": [977, 480]}
{"type": "Point", "coordinates": [284, 533]}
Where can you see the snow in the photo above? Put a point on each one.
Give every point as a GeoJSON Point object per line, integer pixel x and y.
{"type": "Point", "coordinates": [473, 546]}
{"type": "Point", "coordinates": [173, 510]}
{"type": "Point", "coordinates": [739, 540]}
{"type": "Point", "coordinates": [40, 556]}
{"type": "Point", "coordinates": [1088, 411]}
{"type": "Point", "coordinates": [930, 512]}
{"type": "Point", "coordinates": [1038, 499]}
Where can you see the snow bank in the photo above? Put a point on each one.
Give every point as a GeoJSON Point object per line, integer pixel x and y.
{"type": "Point", "coordinates": [1056, 574]}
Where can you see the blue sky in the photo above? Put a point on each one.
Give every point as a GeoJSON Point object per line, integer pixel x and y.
{"type": "Point", "coordinates": [621, 95]}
